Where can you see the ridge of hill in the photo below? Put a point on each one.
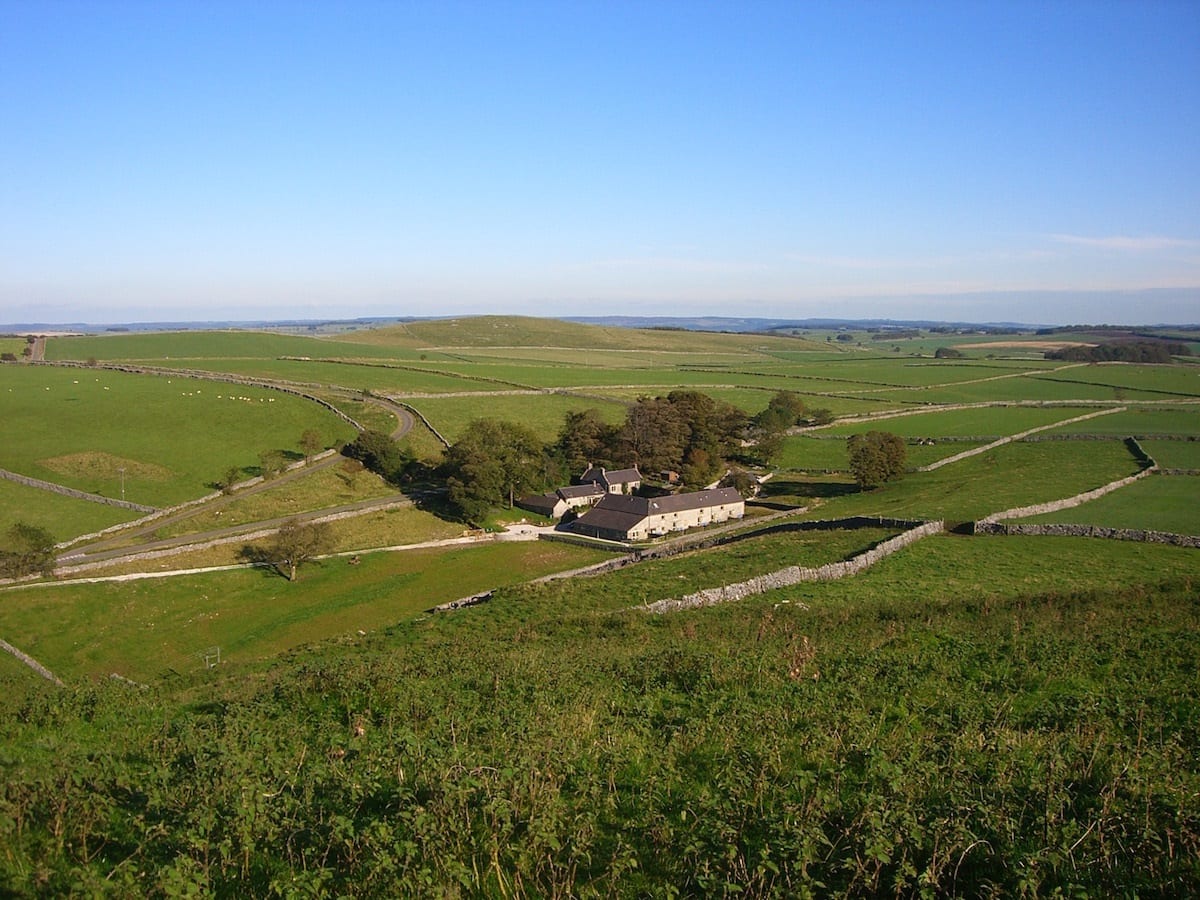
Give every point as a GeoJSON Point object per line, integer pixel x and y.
{"type": "Point", "coordinates": [529, 331]}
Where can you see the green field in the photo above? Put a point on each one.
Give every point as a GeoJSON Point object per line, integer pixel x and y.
{"type": "Point", "coordinates": [975, 716]}
{"type": "Point", "coordinates": [992, 422]}
{"type": "Point", "coordinates": [1174, 454]}
{"type": "Point", "coordinates": [173, 437]}
{"type": "Point", "coordinates": [64, 517]}
{"type": "Point", "coordinates": [860, 734]}
{"type": "Point", "coordinates": [142, 628]}
{"type": "Point", "coordinates": [1165, 503]}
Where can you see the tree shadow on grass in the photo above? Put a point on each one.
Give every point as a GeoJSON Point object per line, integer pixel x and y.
{"type": "Point", "coordinates": [823, 490]}
{"type": "Point", "coordinates": [260, 558]}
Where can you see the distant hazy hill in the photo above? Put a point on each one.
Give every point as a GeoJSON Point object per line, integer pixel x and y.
{"type": "Point", "coordinates": [742, 325]}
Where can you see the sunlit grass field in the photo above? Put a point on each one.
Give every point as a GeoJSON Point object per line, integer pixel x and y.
{"type": "Point", "coordinates": [173, 437]}
{"type": "Point", "coordinates": [1159, 503]}
{"type": "Point", "coordinates": [64, 517]}
{"type": "Point", "coordinates": [1005, 477]}
{"type": "Point", "coordinates": [139, 629]}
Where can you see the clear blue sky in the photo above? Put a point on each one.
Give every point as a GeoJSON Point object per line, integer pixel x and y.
{"type": "Point", "coordinates": [989, 161]}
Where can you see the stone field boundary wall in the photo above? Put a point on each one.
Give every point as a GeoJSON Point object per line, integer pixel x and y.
{"type": "Point", "coordinates": [30, 661]}
{"type": "Point", "coordinates": [1016, 437]}
{"type": "Point", "coordinates": [420, 415]}
{"type": "Point", "coordinates": [793, 575]}
{"type": "Point", "coordinates": [246, 536]}
{"type": "Point", "coordinates": [156, 514]}
{"type": "Point", "coordinates": [1096, 531]}
{"type": "Point", "coordinates": [71, 492]}
{"type": "Point", "coordinates": [1020, 512]}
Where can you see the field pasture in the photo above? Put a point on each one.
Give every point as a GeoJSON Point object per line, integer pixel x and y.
{"type": "Point", "coordinates": [64, 517]}
{"type": "Point", "coordinates": [1168, 503]}
{"type": "Point", "coordinates": [169, 439]}
{"type": "Point", "coordinates": [888, 732]}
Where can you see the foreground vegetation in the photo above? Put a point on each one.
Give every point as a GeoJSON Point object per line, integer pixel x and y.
{"type": "Point", "coordinates": [974, 716]}
{"type": "Point", "coordinates": [916, 741]}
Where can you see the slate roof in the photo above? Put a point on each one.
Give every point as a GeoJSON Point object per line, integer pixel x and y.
{"type": "Point", "coordinates": [616, 512]}
{"type": "Point", "coordinates": [693, 500]}
{"type": "Point", "coordinates": [575, 491]}
{"type": "Point", "coordinates": [601, 475]}
{"type": "Point", "coordinates": [539, 503]}
{"type": "Point", "coordinates": [619, 512]}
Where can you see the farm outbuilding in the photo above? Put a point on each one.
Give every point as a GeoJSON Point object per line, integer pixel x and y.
{"type": "Point", "coordinates": [619, 517]}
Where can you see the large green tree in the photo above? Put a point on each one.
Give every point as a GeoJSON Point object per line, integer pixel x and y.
{"type": "Point", "coordinates": [876, 457]}
{"type": "Point", "coordinates": [684, 430]}
{"type": "Point", "coordinates": [586, 440]}
{"type": "Point", "coordinates": [379, 453]}
{"type": "Point", "coordinates": [492, 462]}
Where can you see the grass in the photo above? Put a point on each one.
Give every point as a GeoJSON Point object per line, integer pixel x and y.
{"type": "Point", "coordinates": [141, 628]}
{"type": "Point", "coordinates": [1143, 420]}
{"type": "Point", "coordinates": [829, 454]}
{"type": "Point", "coordinates": [64, 517]}
{"type": "Point", "coordinates": [1175, 380]}
{"type": "Point", "coordinates": [1174, 454]}
{"type": "Point", "coordinates": [322, 489]}
{"type": "Point", "coordinates": [515, 331]}
{"type": "Point", "coordinates": [1012, 475]}
{"type": "Point", "coordinates": [164, 346]}
{"type": "Point", "coordinates": [1163, 503]}
{"type": "Point", "coordinates": [173, 437]}
{"type": "Point", "coordinates": [993, 421]}
{"type": "Point", "coordinates": [399, 526]}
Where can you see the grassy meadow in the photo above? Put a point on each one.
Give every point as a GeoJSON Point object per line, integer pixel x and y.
{"type": "Point", "coordinates": [173, 437]}
{"type": "Point", "coordinates": [972, 716]}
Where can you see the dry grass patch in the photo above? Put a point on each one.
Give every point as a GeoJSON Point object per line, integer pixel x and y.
{"type": "Point", "coordinates": [98, 464]}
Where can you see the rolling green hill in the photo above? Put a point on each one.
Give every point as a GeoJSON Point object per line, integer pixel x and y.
{"type": "Point", "coordinates": [971, 716]}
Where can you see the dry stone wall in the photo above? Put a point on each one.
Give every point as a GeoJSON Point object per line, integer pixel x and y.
{"type": "Point", "coordinates": [1016, 437]}
{"type": "Point", "coordinates": [29, 661]}
{"type": "Point", "coordinates": [71, 492]}
{"type": "Point", "coordinates": [793, 575]}
{"type": "Point", "coordinates": [1097, 531]}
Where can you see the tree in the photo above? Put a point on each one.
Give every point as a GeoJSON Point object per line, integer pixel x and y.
{"type": "Point", "coordinates": [231, 477]}
{"type": "Point", "coordinates": [820, 416]}
{"type": "Point", "coordinates": [769, 427]}
{"type": "Point", "coordinates": [586, 440]}
{"type": "Point", "coordinates": [492, 462]}
{"type": "Point", "coordinates": [27, 550]}
{"type": "Point", "coordinates": [876, 457]}
{"type": "Point", "coordinates": [379, 453]}
{"type": "Point", "coordinates": [699, 468]}
{"type": "Point", "coordinates": [311, 444]}
{"type": "Point", "coordinates": [298, 542]}
{"type": "Point", "coordinates": [783, 411]}
{"type": "Point", "coordinates": [661, 433]}
{"type": "Point", "coordinates": [653, 436]}
{"type": "Point", "coordinates": [271, 463]}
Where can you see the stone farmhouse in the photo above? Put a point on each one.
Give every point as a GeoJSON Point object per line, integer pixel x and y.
{"type": "Point", "coordinates": [620, 481]}
{"type": "Point", "coordinates": [557, 503]}
{"type": "Point", "coordinates": [619, 517]}
{"type": "Point", "coordinates": [593, 485]}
